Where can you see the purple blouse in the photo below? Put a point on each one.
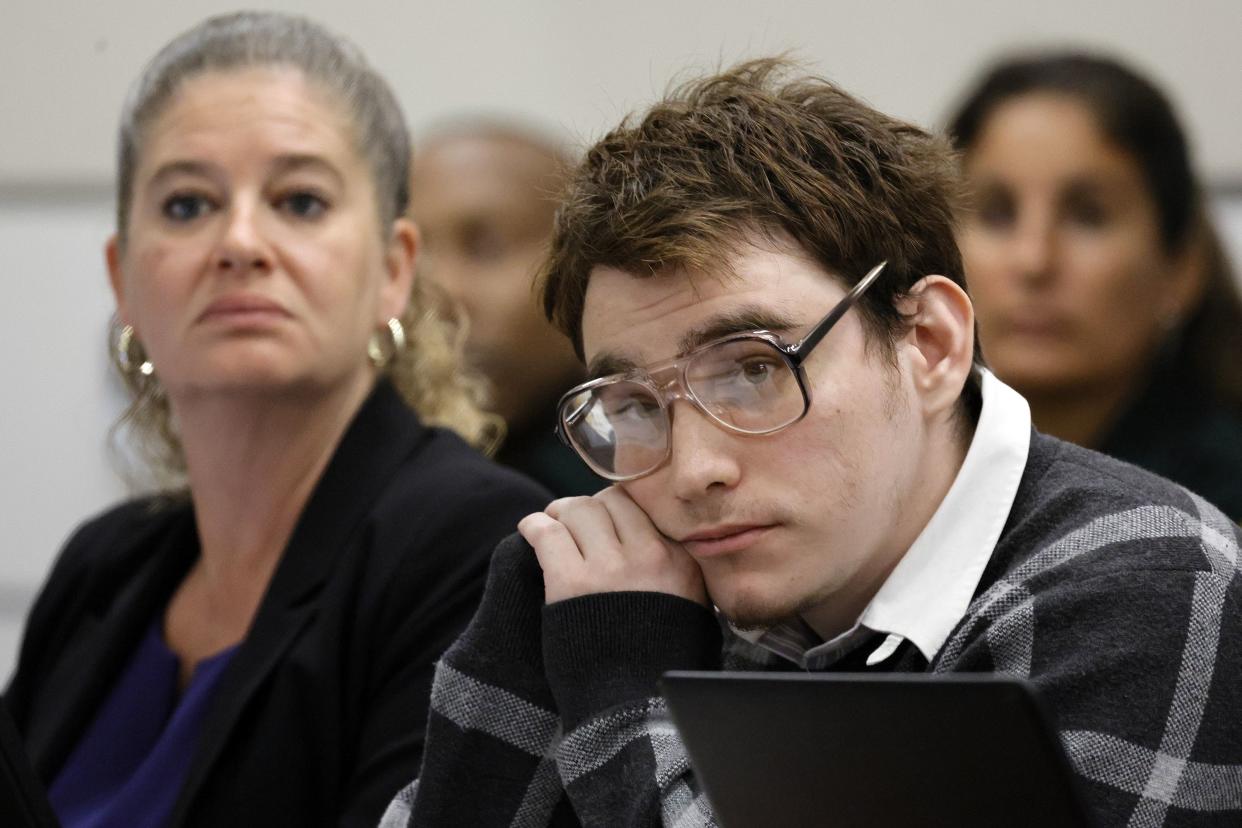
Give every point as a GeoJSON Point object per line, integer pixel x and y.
{"type": "Point", "coordinates": [131, 762]}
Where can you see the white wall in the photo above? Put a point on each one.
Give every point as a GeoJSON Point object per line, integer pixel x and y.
{"type": "Point", "coordinates": [580, 64]}
{"type": "Point", "coordinates": [58, 396]}
{"type": "Point", "coordinates": [573, 64]}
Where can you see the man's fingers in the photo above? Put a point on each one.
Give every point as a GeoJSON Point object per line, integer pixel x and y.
{"type": "Point", "coordinates": [675, 570]}
{"type": "Point", "coordinates": [554, 545]}
{"type": "Point", "coordinates": [606, 543]}
{"type": "Point", "coordinates": [590, 524]}
{"type": "Point", "coordinates": [632, 525]}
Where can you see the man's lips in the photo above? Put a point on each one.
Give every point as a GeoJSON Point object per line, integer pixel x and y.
{"type": "Point", "coordinates": [243, 307]}
{"type": "Point", "coordinates": [724, 540]}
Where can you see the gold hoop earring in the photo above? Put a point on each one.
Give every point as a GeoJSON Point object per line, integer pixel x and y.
{"type": "Point", "coordinates": [131, 357]}
{"type": "Point", "coordinates": [375, 349]}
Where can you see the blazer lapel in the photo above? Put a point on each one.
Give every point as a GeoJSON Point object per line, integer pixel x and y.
{"type": "Point", "coordinates": [375, 445]}
{"type": "Point", "coordinates": [115, 617]}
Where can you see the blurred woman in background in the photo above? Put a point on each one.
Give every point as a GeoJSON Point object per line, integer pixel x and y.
{"type": "Point", "coordinates": [1101, 290]}
{"type": "Point", "coordinates": [257, 647]}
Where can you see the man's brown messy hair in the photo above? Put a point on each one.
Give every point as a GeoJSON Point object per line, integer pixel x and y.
{"type": "Point", "coordinates": [761, 149]}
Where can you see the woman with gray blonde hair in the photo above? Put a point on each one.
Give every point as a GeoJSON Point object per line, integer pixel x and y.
{"type": "Point", "coordinates": [254, 645]}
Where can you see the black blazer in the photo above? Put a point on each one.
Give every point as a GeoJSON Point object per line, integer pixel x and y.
{"type": "Point", "coordinates": [319, 717]}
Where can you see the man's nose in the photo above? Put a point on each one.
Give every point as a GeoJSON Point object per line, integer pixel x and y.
{"type": "Point", "coordinates": [702, 457]}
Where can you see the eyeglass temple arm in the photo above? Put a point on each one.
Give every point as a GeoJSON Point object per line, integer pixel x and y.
{"type": "Point", "coordinates": [570, 419]}
{"type": "Point", "coordinates": [821, 330]}
{"type": "Point", "coordinates": [573, 416]}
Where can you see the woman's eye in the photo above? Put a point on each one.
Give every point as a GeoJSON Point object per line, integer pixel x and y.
{"type": "Point", "coordinates": [304, 205]}
{"type": "Point", "coordinates": [186, 207]}
{"type": "Point", "coordinates": [1086, 214]}
{"type": "Point", "coordinates": [483, 242]}
{"type": "Point", "coordinates": [996, 212]}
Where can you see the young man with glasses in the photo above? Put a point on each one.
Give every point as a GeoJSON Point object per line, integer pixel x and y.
{"type": "Point", "coordinates": [814, 471]}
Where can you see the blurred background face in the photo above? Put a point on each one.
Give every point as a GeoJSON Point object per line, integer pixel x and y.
{"type": "Point", "coordinates": [254, 257]}
{"type": "Point", "coordinates": [1071, 283]}
{"type": "Point", "coordinates": [485, 204]}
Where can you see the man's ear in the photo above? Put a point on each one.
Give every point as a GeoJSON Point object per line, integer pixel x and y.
{"type": "Point", "coordinates": [399, 262]}
{"type": "Point", "coordinates": [939, 346]}
{"type": "Point", "coordinates": [116, 278]}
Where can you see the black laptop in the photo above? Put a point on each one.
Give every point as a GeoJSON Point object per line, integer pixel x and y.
{"type": "Point", "coordinates": [23, 803]}
{"type": "Point", "coordinates": [777, 750]}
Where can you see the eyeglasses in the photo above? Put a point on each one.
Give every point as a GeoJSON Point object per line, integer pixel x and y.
{"type": "Point", "coordinates": [747, 383]}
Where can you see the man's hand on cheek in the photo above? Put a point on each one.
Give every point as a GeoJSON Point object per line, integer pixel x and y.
{"type": "Point", "coordinates": [606, 543]}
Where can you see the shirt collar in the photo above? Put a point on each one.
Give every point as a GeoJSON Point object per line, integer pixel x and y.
{"type": "Point", "coordinates": [930, 588]}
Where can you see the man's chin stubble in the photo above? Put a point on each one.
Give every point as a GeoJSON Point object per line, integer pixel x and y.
{"type": "Point", "coordinates": [749, 615]}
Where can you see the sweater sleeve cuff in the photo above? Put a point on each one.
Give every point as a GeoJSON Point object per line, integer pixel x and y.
{"type": "Point", "coordinates": [610, 648]}
{"type": "Point", "coordinates": [506, 626]}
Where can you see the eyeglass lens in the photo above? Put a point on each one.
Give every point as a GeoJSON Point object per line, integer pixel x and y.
{"type": "Point", "coordinates": [746, 384]}
{"type": "Point", "coordinates": [622, 427]}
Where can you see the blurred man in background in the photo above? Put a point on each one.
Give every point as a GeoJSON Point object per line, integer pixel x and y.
{"type": "Point", "coordinates": [484, 196]}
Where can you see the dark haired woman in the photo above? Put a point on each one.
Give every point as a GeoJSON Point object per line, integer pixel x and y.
{"type": "Point", "coordinates": [1101, 291]}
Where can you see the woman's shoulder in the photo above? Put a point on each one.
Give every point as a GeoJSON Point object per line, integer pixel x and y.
{"type": "Point", "coordinates": [109, 539]}
{"type": "Point", "coordinates": [451, 474]}
{"type": "Point", "coordinates": [416, 469]}
{"type": "Point", "coordinates": [1182, 433]}
{"type": "Point", "coordinates": [445, 508]}
{"type": "Point", "coordinates": [99, 560]}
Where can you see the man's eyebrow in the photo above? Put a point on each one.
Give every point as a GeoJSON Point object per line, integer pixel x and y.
{"type": "Point", "coordinates": [745, 319]}
{"type": "Point", "coordinates": [739, 320]}
{"type": "Point", "coordinates": [606, 364]}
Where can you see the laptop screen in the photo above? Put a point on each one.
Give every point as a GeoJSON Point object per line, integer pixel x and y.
{"type": "Point", "coordinates": [798, 749]}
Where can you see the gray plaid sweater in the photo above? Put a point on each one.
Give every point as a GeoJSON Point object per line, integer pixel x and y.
{"type": "Point", "coordinates": [1115, 592]}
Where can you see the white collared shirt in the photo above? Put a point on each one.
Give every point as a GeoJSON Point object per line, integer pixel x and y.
{"type": "Point", "coordinates": [930, 588]}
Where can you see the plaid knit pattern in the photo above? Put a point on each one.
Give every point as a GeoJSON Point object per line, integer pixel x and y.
{"type": "Point", "coordinates": [1115, 592]}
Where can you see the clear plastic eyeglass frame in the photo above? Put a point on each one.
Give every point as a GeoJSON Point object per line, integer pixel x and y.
{"type": "Point", "coordinates": [667, 381]}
